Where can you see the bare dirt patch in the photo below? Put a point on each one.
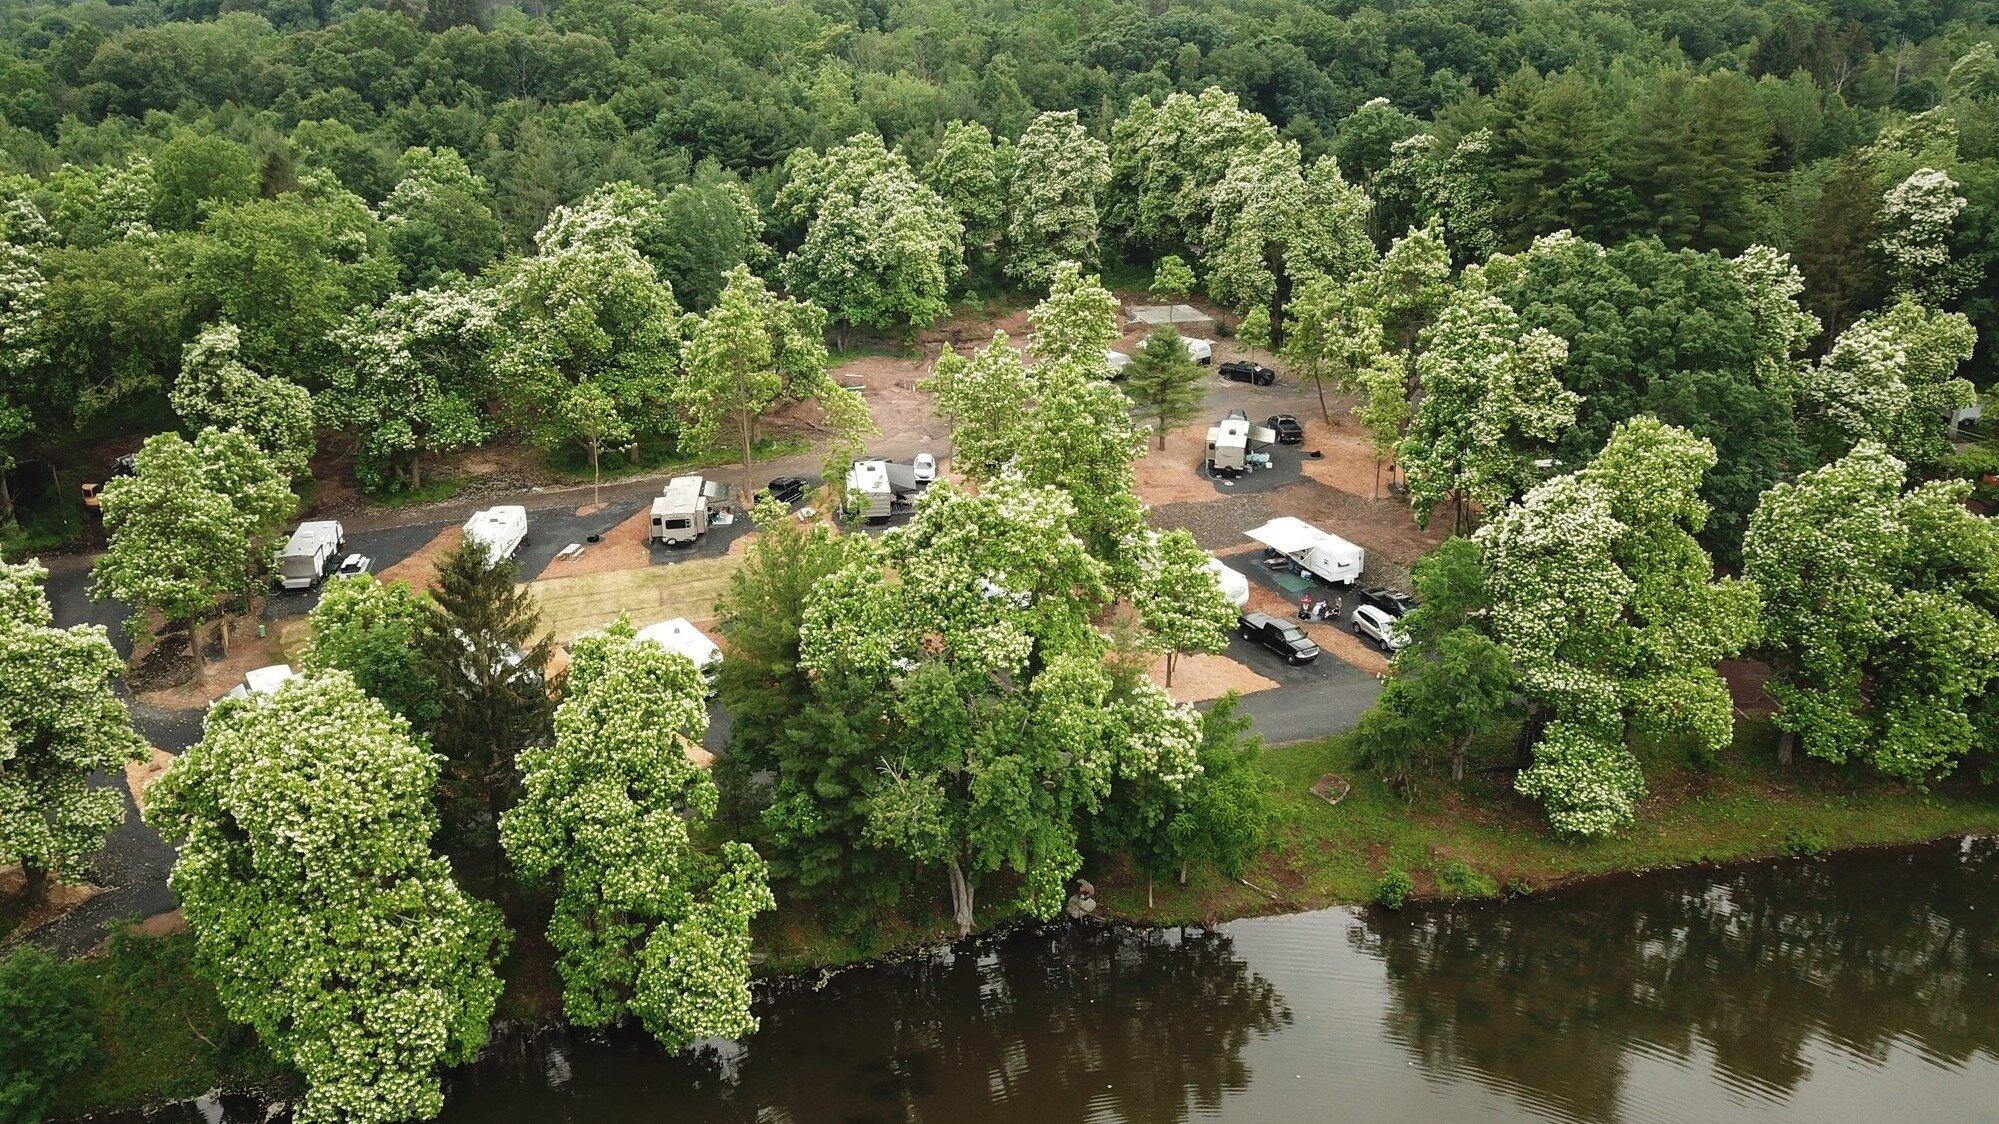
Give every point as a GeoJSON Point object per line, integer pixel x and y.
{"type": "Point", "coordinates": [140, 775]}
{"type": "Point", "coordinates": [63, 897]}
{"type": "Point", "coordinates": [1748, 684]}
{"type": "Point", "coordinates": [575, 605]}
{"type": "Point", "coordinates": [1199, 676]}
{"type": "Point", "coordinates": [419, 570]}
{"type": "Point", "coordinates": [623, 547]}
{"type": "Point", "coordinates": [1172, 475]}
{"type": "Point", "coordinates": [1346, 461]}
{"type": "Point", "coordinates": [247, 651]}
{"type": "Point", "coordinates": [901, 410]}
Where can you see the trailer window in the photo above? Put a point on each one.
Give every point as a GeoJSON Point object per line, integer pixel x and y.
{"type": "Point", "coordinates": [679, 524]}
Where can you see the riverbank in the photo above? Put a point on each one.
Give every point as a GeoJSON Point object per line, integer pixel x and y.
{"type": "Point", "coordinates": [166, 1038]}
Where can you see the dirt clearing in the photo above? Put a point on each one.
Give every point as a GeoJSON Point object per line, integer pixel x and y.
{"type": "Point", "coordinates": [140, 775]}
{"type": "Point", "coordinates": [572, 606]}
{"type": "Point", "coordinates": [623, 547]}
{"type": "Point", "coordinates": [419, 570]}
{"type": "Point", "coordinates": [1198, 677]}
{"type": "Point", "coordinates": [247, 652]}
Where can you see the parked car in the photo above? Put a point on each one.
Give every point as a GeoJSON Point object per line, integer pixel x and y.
{"type": "Point", "coordinates": [1255, 374]}
{"type": "Point", "coordinates": [353, 566]}
{"type": "Point", "coordinates": [1394, 602]}
{"type": "Point", "coordinates": [788, 489]}
{"type": "Point", "coordinates": [1376, 625]}
{"type": "Point", "coordinates": [924, 467]}
{"type": "Point", "coordinates": [1289, 430]}
{"type": "Point", "coordinates": [1280, 636]}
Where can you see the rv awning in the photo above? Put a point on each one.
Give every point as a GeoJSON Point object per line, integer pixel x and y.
{"type": "Point", "coordinates": [1288, 535]}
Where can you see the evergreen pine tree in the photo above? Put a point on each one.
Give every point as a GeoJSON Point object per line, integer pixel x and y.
{"type": "Point", "coordinates": [491, 658]}
{"type": "Point", "coordinates": [1164, 381]}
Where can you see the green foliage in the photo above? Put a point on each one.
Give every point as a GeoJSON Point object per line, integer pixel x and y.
{"type": "Point", "coordinates": [376, 632]}
{"type": "Point", "coordinates": [47, 1028]}
{"type": "Point", "coordinates": [751, 353]}
{"type": "Point", "coordinates": [1459, 880]}
{"type": "Point", "coordinates": [485, 647]}
{"type": "Point", "coordinates": [412, 374]}
{"type": "Point", "coordinates": [216, 389]}
{"type": "Point", "coordinates": [1173, 277]}
{"type": "Point", "coordinates": [60, 722]}
{"type": "Point", "coordinates": [304, 822]}
{"type": "Point", "coordinates": [644, 921]}
{"type": "Point", "coordinates": [1059, 169]}
{"type": "Point", "coordinates": [196, 171]}
{"type": "Point", "coordinates": [1392, 890]}
{"type": "Point", "coordinates": [1164, 382]}
{"type": "Point", "coordinates": [973, 174]}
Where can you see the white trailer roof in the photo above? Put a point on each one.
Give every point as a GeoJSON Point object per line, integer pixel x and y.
{"type": "Point", "coordinates": [1290, 535]}
{"type": "Point", "coordinates": [680, 635]}
{"type": "Point", "coordinates": [868, 476]}
{"type": "Point", "coordinates": [267, 680]}
{"type": "Point", "coordinates": [317, 531]}
{"type": "Point", "coordinates": [682, 493]}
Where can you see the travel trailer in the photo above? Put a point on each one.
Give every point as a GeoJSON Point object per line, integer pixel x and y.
{"type": "Point", "coordinates": [680, 635]}
{"type": "Point", "coordinates": [501, 530]}
{"type": "Point", "coordinates": [1235, 446]}
{"type": "Point", "coordinates": [1325, 556]}
{"type": "Point", "coordinates": [303, 562]}
{"type": "Point", "coordinates": [1234, 586]}
{"type": "Point", "coordinates": [680, 513]}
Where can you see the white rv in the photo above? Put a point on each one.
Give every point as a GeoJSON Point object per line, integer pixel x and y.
{"type": "Point", "coordinates": [1235, 446]}
{"type": "Point", "coordinates": [868, 491]}
{"type": "Point", "coordinates": [501, 530]}
{"type": "Point", "coordinates": [1202, 351]}
{"type": "Point", "coordinates": [1234, 586]}
{"type": "Point", "coordinates": [1325, 556]}
{"type": "Point", "coordinates": [262, 681]}
{"type": "Point", "coordinates": [303, 561]}
{"type": "Point", "coordinates": [680, 512]}
{"type": "Point", "coordinates": [680, 635]}
{"type": "Point", "coordinates": [1116, 361]}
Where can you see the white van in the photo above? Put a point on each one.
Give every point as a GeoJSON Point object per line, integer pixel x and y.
{"type": "Point", "coordinates": [303, 561]}
{"type": "Point", "coordinates": [1202, 350]}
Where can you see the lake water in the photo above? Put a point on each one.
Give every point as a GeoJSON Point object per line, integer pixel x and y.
{"type": "Point", "coordinates": [1862, 987]}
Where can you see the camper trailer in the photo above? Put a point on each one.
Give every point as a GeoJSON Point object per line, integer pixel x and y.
{"type": "Point", "coordinates": [1235, 446]}
{"type": "Point", "coordinates": [680, 635]}
{"type": "Point", "coordinates": [868, 493]}
{"type": "Point", "coordinates": [262, 681]}
{"type": "Point", "coordinates": [501, 530]}
{"type": "Point", "coordinates": [1327, 557]}
{"type": "Point", "coordinates": [680, 513]}
{"type": "Point", "coordinates": [306, 555]}
{"type": "Point", "coordinates": [1234, 586]}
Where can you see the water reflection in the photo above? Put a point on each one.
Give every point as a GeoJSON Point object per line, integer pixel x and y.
{"type": "Point", "coordinates": [1059, 1025]}
{"type": "Point", "coordinates": [1753, 974]}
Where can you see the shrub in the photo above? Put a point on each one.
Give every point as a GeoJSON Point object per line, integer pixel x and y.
{"type": "Point", "coordinates": [1804, 842]}
{"type": "Point", "coordinates": [1393, 890]}
{"type": "Point", "coordinates": [1460, 881]}
{"type": "Point", "coordinates": [47, 1031]}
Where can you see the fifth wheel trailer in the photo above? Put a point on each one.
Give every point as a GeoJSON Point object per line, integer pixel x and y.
{"type": "Point", "coordinates": [1325, 556]}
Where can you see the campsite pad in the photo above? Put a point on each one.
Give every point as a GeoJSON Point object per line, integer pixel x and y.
{"type": "Point", "coordinates": [1198, 677]}
{"type": "Point", "coordinates": [575, 605]}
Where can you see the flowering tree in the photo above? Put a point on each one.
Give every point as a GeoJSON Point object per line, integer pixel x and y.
{"type": "Point", "coordinates": [376, 632]}
{"type": "Point", "coordinates": [1172, 277]}
{"type": "Point", "coordinates": [880, 248]}
{"type": "Point", "coordinates": [1783, 328]}
{"type": "Point", "coordinates": [691, 236]}
{"type": "Point", "coordinates": [644, 920]}
{"type": "Point", "coordinates": [973, 173]}
{"type": "Point", "coordinates": [217, 388]}
{"type": "Point", "coordinates": [1427, 180]}
{"type": "Point", "coordinates": [577, 317]}
{"type": "Point", "coordinates": [752, 352]}
{"type": "Point", "coordinates": [1916, 218]}
{"type": "Point", "coordinates": [188, 528]}
{"type": "Point", "coordinates": [1331, 335]}
{"type": "Point", "coordinates": [1492, 404]}
{"type": "Point", "coordinates": [1003, 725]}
{"type": "Point", "coordinates": [1879, 613]}
{"type": "Point", "coordinates": [1168, 159]}
{"type": "Point", "coordinates": [1077, 322]}
{"type": "Point", "coordinates": [60, 721]}
{"type": "Point", "coordinates": [1891, 378]}
{"type": "Point", "coordinates": [319, 912]}
{"type": "Point", "coordinates": [1608, 611]}
{"type": "Point", "coordinates": [414, 372]}
{"type": "Point", "coordinates": [439, 221]}
{"type": "Point", "coordinates": [1277, 226]}
{"type": "Point", "coordinates": [1179, 599]}
{"type": "Point", "coordinates": [1410, 285]}
{"type": "Point", "coordinates": [1059, 169]}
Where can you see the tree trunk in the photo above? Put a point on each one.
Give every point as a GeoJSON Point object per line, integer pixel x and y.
{"type": "Point", "coordinates": [596, 473]}
{"type": "Point", "coordinates": [1458, 759]}
{"type": "Point", "coordinates": [1377, 478]}
{"type": "Point", "coordinates": [34, 884]}
{"type": "Point", "coordinates": [632, 453]}
{"type": "Point", "coordinates": [1183, 872]}
{"type": "Point", "coordinates": [6, 499]}
{"type": "Point", "coordinates": [961, 898]}
{"type": "Point", "coordinates": [749, 440]}
{"type": "Point", "coordinates": [1325, 411]}
{"type": "Point", "coordinates": [1148, 891]}
{"type": "Point", "coordinates": [1171, 659]}
{"type": "Point", "coordinates": [194, 646]}
{"type": "Point", "coordinates": [1787, 747]}
{"type": "Point", "coordinates": [416, 471]}
{"type": "Point", "coordinates": [1162, 431]}
{"type": "Point", "coordinates": [222, 630]}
